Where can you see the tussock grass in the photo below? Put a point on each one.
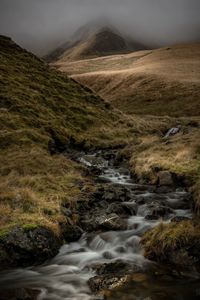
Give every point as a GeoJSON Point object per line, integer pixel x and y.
{"type": "Point", "coordinates": [34, 186]}
{"type": "Point", "coordinates": [175, 243]}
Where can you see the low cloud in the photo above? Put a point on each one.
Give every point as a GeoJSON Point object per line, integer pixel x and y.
{"type": "Point", "coordinates": [41, 25]}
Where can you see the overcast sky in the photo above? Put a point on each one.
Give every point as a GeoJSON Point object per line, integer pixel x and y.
{"type": "Point", "coordinates": [40, 25]}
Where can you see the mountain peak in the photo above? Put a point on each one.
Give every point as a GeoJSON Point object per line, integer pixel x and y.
{"type": "Point", "coordinates": [94, 41]}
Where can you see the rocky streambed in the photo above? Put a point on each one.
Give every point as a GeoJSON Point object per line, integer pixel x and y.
{"type": "Point", "coordinates": [103, 252]}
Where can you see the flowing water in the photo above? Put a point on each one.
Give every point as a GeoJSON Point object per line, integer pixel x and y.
{"type": "Point", "coordinates": [66, 276]}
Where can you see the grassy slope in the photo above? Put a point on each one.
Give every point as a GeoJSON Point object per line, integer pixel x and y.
{"type": "Point", "coordinates": [36, 105]}
{"type": "Point", "coordinates": [159, 82]}
{"type": "Point", "coordinates": [36, 102]}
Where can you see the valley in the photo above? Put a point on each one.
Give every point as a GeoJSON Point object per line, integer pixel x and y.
{"type": "Point", "coordinates": [98, 199]}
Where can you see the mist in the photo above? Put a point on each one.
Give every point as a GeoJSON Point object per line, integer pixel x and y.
{"type": "Point", "coordinates": [42, 25]}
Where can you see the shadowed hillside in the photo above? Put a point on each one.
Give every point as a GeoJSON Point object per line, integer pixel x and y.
{"type": "Point", "coordinates": [158, 82]}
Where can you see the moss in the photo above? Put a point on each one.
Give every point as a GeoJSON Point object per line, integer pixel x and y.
{"type": "Point", "coordinates": [3, 233]}
{"type": "Point", "coordinates": [29, 227]}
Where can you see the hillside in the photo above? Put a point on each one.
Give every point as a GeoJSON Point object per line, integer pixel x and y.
{"type": "Point", "coordinates": [44, 116]}
{"type": "Point", "coordinates": [40, 107]}
{"type": "Point", "coordinates": [158, 82]}
{"type": "Point", "coordinates": [104, 41]}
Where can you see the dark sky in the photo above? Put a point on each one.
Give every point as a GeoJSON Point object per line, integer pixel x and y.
{"type": "Point", "coordinates": [40, 25]}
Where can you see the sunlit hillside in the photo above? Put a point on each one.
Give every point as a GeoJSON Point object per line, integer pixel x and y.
{"type": "Point", "coordinates": [158, 82]}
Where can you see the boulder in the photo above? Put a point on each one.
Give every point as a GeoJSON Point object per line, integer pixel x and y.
{"type": "Point", "coordinates": [27, 246]}
{"type": "Point", "coordinates": [71, 233]}
{"type": "Point", "coordinates": [156, 211]}
{"type": "Point", "coordinates": [118, 208]}
{"type": "Point", "coordinates": [19, 294]}
{"type": "Point", "coordinates": [103, 222]}
{"type": "Point", "coordinates": [165, 178]}
{"type": "Point", "coordinates": [118, 267]}
{"type": "Point", "coordinates": [115, 193]}
{"type": "Point", "coordinates": [99, 283]}
{"type": "Point", "coordinates": [112, 275]}
{"type": "Point", "coordinates": [130, 207]}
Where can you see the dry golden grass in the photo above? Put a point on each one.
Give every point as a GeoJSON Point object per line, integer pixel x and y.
{"type": "Point", "coordinates": [158, 82]}
{"type": "Point", "coordinates": [34, 186]}
{"type": "Point", "coordinates": [115, 62]}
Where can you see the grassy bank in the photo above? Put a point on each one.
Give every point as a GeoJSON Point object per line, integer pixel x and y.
{"type": "Point", "coordinates": [179, 154]}
{"type": "Point", "coordinates": [174, 243]}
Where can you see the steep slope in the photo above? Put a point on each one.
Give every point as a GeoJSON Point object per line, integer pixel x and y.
{"type": "Point", "coordinates": [158, 82]}
{"type": "Point", "coordinates": [41, 111]}
{"type": "Point", "coordinates": [104, 41]}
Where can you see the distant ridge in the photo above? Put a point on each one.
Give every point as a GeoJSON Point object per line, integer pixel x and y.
{"type": "Point", "coordinates": [164, 81]}
{"type": "Point", "coordinates": [90, 41]}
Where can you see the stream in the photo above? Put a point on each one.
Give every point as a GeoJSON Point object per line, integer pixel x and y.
{"type": "Point", "coordinates": [66, 276]}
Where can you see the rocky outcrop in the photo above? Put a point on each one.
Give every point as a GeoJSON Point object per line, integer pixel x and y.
{"type": "Point", "coordinates": [157, 210]}
{"type": "Point", "coordinates": [27, 246]}
{"type": "Point", "coordinates": [107, 209]}
{"type": "Point", "coordinates": [19, 294]}
{"type": "Point", "coordinates": [71, 233]}
{"type": "Point", "coordinates": [165, 178]}
{"type": "Point", "coordinates": [112, 275]}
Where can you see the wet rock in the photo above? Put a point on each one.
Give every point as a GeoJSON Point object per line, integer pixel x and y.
{"type": "Point", "coordinates": [25, 247]}
{"type": "Point", "coordinates": [179, 201]}
{"type": "Point", "coordinates": [109, 155]}
{"type": "Point", "coordinates": [143, 188]}
{"type": "Point", "coordinates": [83, 206]}
{"type": "Point", "coordinates": [18, 294]}
{"type": "Point", "coordinates": [165, 178]}
{"type": "Point", "coordinates": [124, 171]}
{"type": "Point", "coordinates": [178, 219]}
{"type": "Point", "coordinates": [98, 194]}
{"type": "Point", "coordinates": [112, 275]}
{"type": "Point", "coordinates": [99, 283]}
{"type": "Point", "coordinates": [130, 207]}
{"type": "Point", "coordinates": [111, 222]}
{"type": "Point", "coordinates": [118, 208]}
{"type": "Point", "coordinates": [117, 193]}
{"type": "Point", "coordinates": [94, 161]}
{"type": "Point", "coordinates": [108, 255]}
{"type": "Point", "coordinates": [71, 233]}
{"type": "Point", "coordinates": [164, 189]}
{"type": "Point", "coordinates": [151, 198]}
{"type": "Point", "coordinates": [118, 267]}
{"type": "Point", "coordinates": [103, 222]}
{"type": "Point", "coordinates": [155, 211]}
